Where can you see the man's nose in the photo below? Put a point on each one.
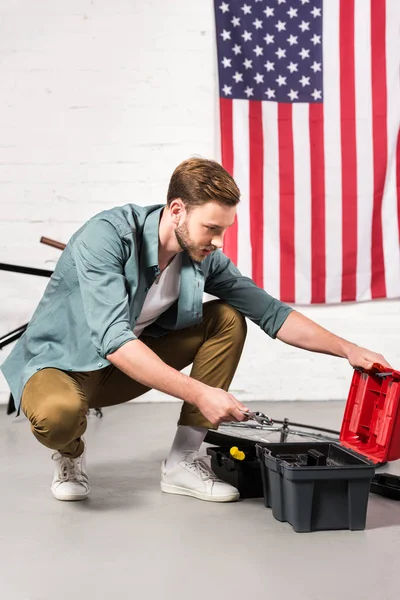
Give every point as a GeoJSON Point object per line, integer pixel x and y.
{"type": "Point", "coordinates": [218, 241]}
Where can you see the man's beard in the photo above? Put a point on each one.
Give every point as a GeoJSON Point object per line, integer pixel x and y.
{"type": "Point", "coordinates": [183, 239]}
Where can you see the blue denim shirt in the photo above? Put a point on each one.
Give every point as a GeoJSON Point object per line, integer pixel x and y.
{"type": "Point", "coordinates": [96, 293]}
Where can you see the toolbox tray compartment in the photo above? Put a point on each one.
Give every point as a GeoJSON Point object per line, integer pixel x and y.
{"type": "Point", "coordinates": [313, 497]}
{"type": "Point", "coordinates": [386, 485]}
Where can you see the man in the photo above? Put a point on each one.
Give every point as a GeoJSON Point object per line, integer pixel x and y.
{"type": "Point", "coordinates": [123, 313]}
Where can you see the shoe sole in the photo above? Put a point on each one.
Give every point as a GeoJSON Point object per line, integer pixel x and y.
{"type": "Point", "coordinates": [173, 489]}
{"type": "Point", "coordinates": [72, 498]}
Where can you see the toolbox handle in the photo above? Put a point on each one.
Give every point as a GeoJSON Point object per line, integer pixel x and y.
{"type": "Point", "coordinates": [381, 371]}
{"type": "Point", "coordinates": [262, 453]}
{"type": "Point", "coordinates": [377, 368]}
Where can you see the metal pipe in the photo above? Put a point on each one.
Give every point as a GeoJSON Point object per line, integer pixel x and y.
{"type": "Point", "coordinates": [53, 243]}
{"type": "Point", "coordinates": [12, 336]}
{"type": "Point", "coordinates": [25, 270]}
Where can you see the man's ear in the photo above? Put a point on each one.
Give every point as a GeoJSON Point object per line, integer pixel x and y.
{"type": "Point", "coordinates": [177, 210]}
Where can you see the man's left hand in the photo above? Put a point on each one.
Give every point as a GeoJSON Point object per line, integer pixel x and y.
{"type": "Point", "coordinates": [361, 357]}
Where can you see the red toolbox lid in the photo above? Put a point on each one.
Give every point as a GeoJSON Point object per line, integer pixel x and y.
{"type": "Point", "coordinates": [371, 422]}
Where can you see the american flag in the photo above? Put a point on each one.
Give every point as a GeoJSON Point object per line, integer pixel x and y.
{"type": "Point", "coordinates": [310, 130]}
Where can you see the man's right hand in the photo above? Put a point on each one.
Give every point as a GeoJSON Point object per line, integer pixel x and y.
{"type": "Point", "coordinates": [219, 406]}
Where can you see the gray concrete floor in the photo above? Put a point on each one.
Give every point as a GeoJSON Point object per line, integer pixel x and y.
{"type": "Point", "coordinates": [128, 540]}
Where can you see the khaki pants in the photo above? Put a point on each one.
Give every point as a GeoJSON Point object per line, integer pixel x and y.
{"type": "Point", "coordinates": [56, 402]}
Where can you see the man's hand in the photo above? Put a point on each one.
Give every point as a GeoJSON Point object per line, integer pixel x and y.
{"type": "Point", "coordinates": [219, 406]}
{"type": "Point", "coordinates": [361, 357]}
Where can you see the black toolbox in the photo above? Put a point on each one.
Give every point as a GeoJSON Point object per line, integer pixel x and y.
{"type": "Point", "coordinates": [244, 475]}
{"type": "Point", "coordinates": [313, 485]}
{"type": "Point", "coordinates": [320, 485]}
{"type": "Point", "coordinates": [316, 485]}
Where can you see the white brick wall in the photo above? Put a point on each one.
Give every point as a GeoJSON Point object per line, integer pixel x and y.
{"type": "Point", "coordinates": [100, 101]}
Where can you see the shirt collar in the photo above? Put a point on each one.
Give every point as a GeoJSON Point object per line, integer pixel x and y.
{"type": "Point", "coordinates": [150, 237]}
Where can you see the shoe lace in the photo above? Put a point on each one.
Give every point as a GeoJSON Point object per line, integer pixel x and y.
{"type": "Point", "coordinates": [200, 466]}
{"type": "Point", "coordinates": [67, 468]}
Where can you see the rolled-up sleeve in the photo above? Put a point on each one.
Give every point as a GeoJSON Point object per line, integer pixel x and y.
{"type": "Point", "coordinates": [225, 281]}
{"type": "Point", "coordinates": [98, 254]}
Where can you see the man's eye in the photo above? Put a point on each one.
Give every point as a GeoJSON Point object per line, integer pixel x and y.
{"type": "Point", "coordinates": [211, 228]}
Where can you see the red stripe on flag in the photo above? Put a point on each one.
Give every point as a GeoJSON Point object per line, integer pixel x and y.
{"type": "Point", "coordinates": [226, 118]}
{"type": "Point", "coordinates": [256, 191]}
{"type": "Point", "coordinates": [379, 135]}
{"type": "Point", "coordinates": [317, 158]}
{"type": "Point", "coordinates": [398, 180]}
{"type": "Point", "coordinates": [349, 150]}
{"type": "Point", "coordinates": [286, 202]}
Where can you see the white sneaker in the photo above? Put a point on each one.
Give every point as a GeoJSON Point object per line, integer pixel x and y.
{"type": "Point", "coordinates": [194, 477]}
{"type": "Point", "coordinates": [71, 481]}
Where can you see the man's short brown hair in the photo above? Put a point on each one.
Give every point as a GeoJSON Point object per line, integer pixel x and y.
{"type": "Point", "coordinates": [198, 181]}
